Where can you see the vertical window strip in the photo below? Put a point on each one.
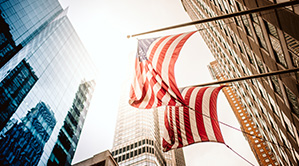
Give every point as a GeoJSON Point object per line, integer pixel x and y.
{"type": "Point", "coordinates": [293, 101]}
{"type": "Point", "coordinates": [278, 51]}
{"type": "Point", "coordinates": [246, 25]}
{"type": "Point", "coordinates": [259, 35]}
{"type": "Point", "coordinates": [260, 65]}
{"type": "Point", "coordinates": [271, 29]}
{"type": "Point", "coordinates": [249, 54]}
{"type": "Point", "coordinates": [275, 84]}
{"type": "Point", "coordinates": [226, 6]}
{"type": "Point", "coordinates": [295, 59]}
{"type": "Point", "coordinates": [254, 18]}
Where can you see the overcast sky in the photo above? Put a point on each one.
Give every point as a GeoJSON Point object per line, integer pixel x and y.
{"type": "Point", "coordinates": [103, 26]}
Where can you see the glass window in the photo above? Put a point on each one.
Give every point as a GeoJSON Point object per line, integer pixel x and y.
{"type": "Point", "coordinates": [271, 29]}
{"type": "Point", "coordinates": [127, 156]}
{"type": "Point", "coordinates": [292, 43]}
{"type": "Point", "coordinates": [295, 59]}
{"type": "Point", "coordinates": [237, 21]}
{"type": "Point", "coordinates": [259, 35]}
{"type": "Point", "coordinates": [254, 18]}
{"type": "Point", "coordinates": [275, 84]}
{"type": "Point", "coordinates": [249, 54]}
{"type": "Point", "coordinates": [260, 65]}
{"type": "Point", "coordinates": [246, 25]}
{"type": "Point", "coordinates": [293, 101]}
{"type": "Point", "coordinates": [226, 6]}
{"type": "Point", "coordinates": [279, 56]}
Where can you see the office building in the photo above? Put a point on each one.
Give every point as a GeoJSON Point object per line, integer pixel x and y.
{"type": "Point", "coordinates": [69, 134]}
{"type": "Point", "coordinates": [21, 21]}
{"type": "Point", "coordinates": [45, 83]}
{"type": "Point", "coordinates": [253, 44]}
{"type": "Point", "coordinates": [22, 142]}
{"type": "Point", "coordinates": [259, 147]}
{"type": "Point", "coordinates": [137, 138]}
{"type": "Point", "coordinates": [101, 159]}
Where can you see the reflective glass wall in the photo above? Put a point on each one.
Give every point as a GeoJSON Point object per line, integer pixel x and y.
{"type": "Point", "coordinates": [28, 17]}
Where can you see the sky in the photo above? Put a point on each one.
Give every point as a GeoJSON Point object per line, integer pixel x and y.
{"type": "Point", "coordinates": [103, 26]}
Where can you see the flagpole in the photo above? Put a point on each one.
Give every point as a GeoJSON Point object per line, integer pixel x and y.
{"type": "Point", "coordinates": [248, 77]}
{"type": "Point", "coordinates": [255, 10]}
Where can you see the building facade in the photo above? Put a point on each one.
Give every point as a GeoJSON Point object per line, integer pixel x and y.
{"type": "Point", "coordinates": [43, 63]}
{"type": "Point", "coordinates": [137, 139]}
{"type": "Point", "coordinates": [69, 134]}
{"type": "Point", "coordinates": [22, 142]}
{"type": "Point", "coordinates": [104, 158]}
{"type": "Point", "coordinates": [253, 44]}
{"type": "Point", "coordinates": [259, 146]}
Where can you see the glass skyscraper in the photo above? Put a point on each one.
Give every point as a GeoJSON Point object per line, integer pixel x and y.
{"type": "Point", "coordinates": [258, 43]}
{"type": "Point", "coordinates": [22, 142]}
{"type": "Point", "coordinates": [46, 84]}
{"type": "Point", "coordinates": [64, 149]}
{"type": "Point", "coordinates": [137, 138]}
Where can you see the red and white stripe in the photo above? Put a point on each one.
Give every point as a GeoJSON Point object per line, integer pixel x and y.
{"type": "Point", "coordinates": [154, 84]}
{"type": "Point", "coordinates": [185, 126]}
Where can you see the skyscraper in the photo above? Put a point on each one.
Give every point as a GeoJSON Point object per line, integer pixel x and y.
{"type": "Point", "coordinates": [45, 83]}
{"type": "Point", "coordinates": [259, 147]}
{"type": "Point", "coordinates": [69, 134]}
{"type": "Point", "coordinates": [252, 44]}
{"type": "Point", "coordinates": [22, 142]}
{"type": "Point", "coordinates": [101, 159]}
{"type": "Point", "coordinates": [137, 139]}
{"type": "Point", "coordinates": [21, 21]}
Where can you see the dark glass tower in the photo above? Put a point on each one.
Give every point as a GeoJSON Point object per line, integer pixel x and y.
{"type": "Point", "coordinates": [69, 134]}
{"type": "Point", "coordinates": [13, 88]}
{"type": "Point", "coordinates": [7, 45]}
{"type": "Point", "coordinates": [22, 20]}
{"type": "Point", "coordinates": [43, 63]}
{"type": "Point", "coordinates": [22, 142]}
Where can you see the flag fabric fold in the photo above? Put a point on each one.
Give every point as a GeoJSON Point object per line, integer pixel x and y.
{"type": "Point", "coordinates": [190, 114]}
{"type": "Point", "coordinates": [154, 83]}
{"type": "Point", "coordinates": [195, 122]}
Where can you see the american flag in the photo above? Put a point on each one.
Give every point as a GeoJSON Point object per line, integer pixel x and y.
{"type": "Point", "coordinates": [154, 84]}
{"type": "Point", "coordinates": [195, 122]}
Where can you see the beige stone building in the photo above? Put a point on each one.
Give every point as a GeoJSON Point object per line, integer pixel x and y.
{"type": "Point", "coordinates": [101, 159]}
{"type": "Point", "coordinates": [254, 44]}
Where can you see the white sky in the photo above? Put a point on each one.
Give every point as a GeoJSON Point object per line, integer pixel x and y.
{"type": "Point", "coordinates": [103, 26]}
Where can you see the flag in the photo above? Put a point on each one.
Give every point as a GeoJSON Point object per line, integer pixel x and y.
{"type": "Point", "coordinates": [154, 84]}
{"type": "Point", "coordinates": [195, 122]}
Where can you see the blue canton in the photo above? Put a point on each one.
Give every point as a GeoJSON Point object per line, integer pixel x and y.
{"type": "Point", "coordinates": [143, 46]}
